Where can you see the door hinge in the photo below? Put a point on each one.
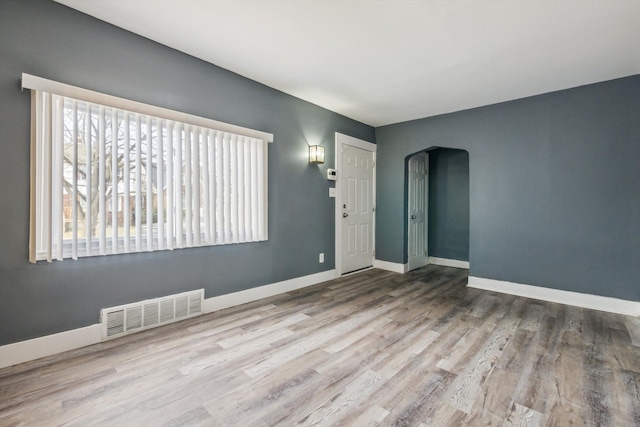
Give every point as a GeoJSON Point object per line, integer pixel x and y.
{"type": "Point", "coordinates": [374, 253]}
{"type": "Point", "coordinates": [374, 164]}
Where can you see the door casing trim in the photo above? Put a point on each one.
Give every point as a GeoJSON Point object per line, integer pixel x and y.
{"type": "Point", "coordinates": [340, 140]}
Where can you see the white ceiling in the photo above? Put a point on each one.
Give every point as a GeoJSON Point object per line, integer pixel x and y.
{"type": "Point", "coordinates": [383, 62]}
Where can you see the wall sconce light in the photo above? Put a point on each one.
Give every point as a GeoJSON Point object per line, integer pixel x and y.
{"type": "Point", "coordinates": [316, 154]}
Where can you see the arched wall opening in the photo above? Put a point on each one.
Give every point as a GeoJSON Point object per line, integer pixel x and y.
{"type": "Point", "coordinates": [447, 208]}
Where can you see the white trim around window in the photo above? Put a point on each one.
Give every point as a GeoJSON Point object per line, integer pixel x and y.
{"type": "Point", "coordinates": [51, 86]}
{"type": "Point", "coordinates": [111, 176]}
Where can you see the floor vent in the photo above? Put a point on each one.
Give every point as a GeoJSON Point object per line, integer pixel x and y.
{"type": "Point", "coordinates": [129, 318]}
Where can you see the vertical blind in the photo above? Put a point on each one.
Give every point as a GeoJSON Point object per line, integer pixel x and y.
{"type": "Point", "coordinates": [109, 180]}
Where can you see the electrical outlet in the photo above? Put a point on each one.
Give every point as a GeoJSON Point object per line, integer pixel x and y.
{"type": "Point", "coordinates": [321, 258]}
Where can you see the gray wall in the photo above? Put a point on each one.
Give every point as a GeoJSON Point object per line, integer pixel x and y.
{"type": "Point", "coordinates": [449, 204]}
{"type": "Point", "coordinates": [49, 40]}
{"type": "Point", "coordinates": [554, 187]}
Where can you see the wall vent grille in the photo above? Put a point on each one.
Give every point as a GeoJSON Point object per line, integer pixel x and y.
{"type": "Point", "coordinates": [129, 318]}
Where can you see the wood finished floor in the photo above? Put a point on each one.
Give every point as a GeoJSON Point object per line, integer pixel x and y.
{"type": "Point", "coordinates": [375, 348]}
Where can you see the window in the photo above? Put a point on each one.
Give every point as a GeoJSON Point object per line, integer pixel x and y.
{"type": "Point", "coordinates": [113, 176]}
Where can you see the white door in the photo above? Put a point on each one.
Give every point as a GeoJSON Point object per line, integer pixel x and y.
{"type": "Point", "coordinates": [418, 210]}
{"type": "Point", "coordinates": [356, 179]}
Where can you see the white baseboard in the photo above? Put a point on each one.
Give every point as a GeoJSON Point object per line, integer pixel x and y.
{"type": "Point", "coordinates": [403, 268]}
{"type": "Point", "coordinates": [390, 266]}
{"type": "Point", "coordinates": [594, 302]}
{"type": "Point", "coordinates": [254, 294]}
{"type": "Point", "coordinates": [448, 262]}
{"type": "Point", "coordinates": [24, 351]}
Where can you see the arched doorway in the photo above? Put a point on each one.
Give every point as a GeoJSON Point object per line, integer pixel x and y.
{"type": "Point", "coordinates": [437, 208]}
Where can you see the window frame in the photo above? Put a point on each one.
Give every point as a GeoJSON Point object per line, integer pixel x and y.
{"type": "Point", "coordinates": [232, 134]}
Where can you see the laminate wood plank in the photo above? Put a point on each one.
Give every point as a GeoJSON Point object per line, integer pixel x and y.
{"type": "Point", "coordinates": [398, 359]}
{"type": "Point", "coordinates": [619, 364]}
{"type": "Point", "coordinates": [622, 355]}
{"type": "Point", "coordinates": [452, 313]}
{"type": "Point", "coordinates": [631, 391]}
{"type": "Point", "coordinates": [573, 319]}
{"type": "Point", "coordinates": [401, 383]}
{"type": "Point", "coordinates": [421, 402]}
{"type": "Point", "coordinates": [466, 348]}
{"type": "Point", "coordinates": [77, 402]}
{"type": "Point", "coordinates": [597, 373]}
{"type": "Point", "coordinates": [233, 355]}
{"type": "Point", "coordinates": [555, 388]}
{"type": "Point", "coordinates": [239, 311]}
{"type": "Point", "coordinates": [473, 371]}
{"type": "Point", "coordinates": [257, 333]}
{"type": "Point", "coordinates": [523, 417]}
{"type": "Point", "coordinates": [230, 321]}
{"type": "Point", "coordinates": [179, 393]}
{"type": "Point", "coordinates": [532, 317]}
{"type": "Point", "coordinates": [115, 399]}
{"type": "Point", "coordinates": [615, 321]}
{"type": "Point", "coordinates": [498, 389]}
{"type": "Point", "coordinates": [467, 386]}
{"type": "Point", "coordinates": [370, 417]}
{"type": "Point", "coordinates": [252, 405]}
{"type": "Point", "coordinates": [295, 403]}
{"type": "Point", "coordinates": [335, 311]}
{"type": "Point", "coordinates": [297, 408]}
{"type": "Point", "coordinates": [416, 373]}
{"type": "Point", "coordinates": [483, 306]}
{"type": "Point", "coordinates": [168, 359]}
{"type": "Point", "coordinates": [567, 415]}
{"type": "Point", "coordinates": [513, 358]}
{"type": "Point", "coordinates": [197, 416]}
{"type": "Point", "coordinates": [284, 309]}
{"type": "Point", "coordinates": [494, 401]}
{"type": "Point", "coordinates": [307, 344]}
{"type": "Point", "coordinates": [626, 382]}
{"type": "Point", "coordinates": [399, 291]}
{"type": "Point", "coordinates": [445, 415]}
{"type": "Point", "coordinates": [374, 348]}
{"type": "Point", "coordinates": [536, 367]}
{"type": "Point", "coordinates": [507, 305]}
{"type": "Point", "coordinates": [350, 339]}
{"type": "Point", "coordinates": [362, 277]}
{"type": "Point", "coordinates": [336, 407]}
{"type": "Point", "coordinates": [633, 329]}
{"type": "Point", "coordinates": [20, 394]}
{"type": "Point", "coordinates": [384, 306]}
{"type": "Point", "coordinates": [565, 386]}
{"type": "Point", "coordinates": [348, 291]}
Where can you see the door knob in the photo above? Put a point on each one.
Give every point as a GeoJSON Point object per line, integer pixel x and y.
{"type": "Point", "coordinates": [413, 217]}
{"type": "Point", "coordinates": [344, 215]}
